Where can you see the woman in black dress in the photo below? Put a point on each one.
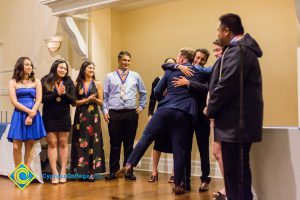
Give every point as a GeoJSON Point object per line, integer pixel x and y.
{"type": "Point", "coordinates": [58, 95]}
{"type": "Point", "coordinates": [87, 142]}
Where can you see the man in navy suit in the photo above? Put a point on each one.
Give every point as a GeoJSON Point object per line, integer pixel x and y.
{"type": "Point", "coordinates": [175, 115]}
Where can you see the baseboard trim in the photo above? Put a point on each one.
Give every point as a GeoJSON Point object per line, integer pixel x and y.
{"type": "Point", "coordinates": [165, 165]}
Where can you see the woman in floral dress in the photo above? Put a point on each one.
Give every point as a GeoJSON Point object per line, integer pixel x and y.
{"type": "Point", "coordinates": [87, 142]}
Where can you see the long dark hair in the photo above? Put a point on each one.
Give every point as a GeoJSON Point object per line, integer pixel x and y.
{"type": "Point", "coordinates": [19, 70]}
{"type": "Point", "coordinates": [81, 75]}
{"type": "Point", "coordinates": [52, 76]}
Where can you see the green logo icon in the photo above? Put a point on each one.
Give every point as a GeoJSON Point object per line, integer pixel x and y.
{"type": "Point", "coordinates": [22, 176]}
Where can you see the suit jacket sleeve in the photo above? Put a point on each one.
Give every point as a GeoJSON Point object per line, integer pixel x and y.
{"type": "Point", "coordinates": [169, 66]}
{"type": "Point", "coordinates": [197, 87]}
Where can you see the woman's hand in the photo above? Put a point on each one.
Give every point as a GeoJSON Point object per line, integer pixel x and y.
{"type": "Point", "coordinates": [91, 98]}
{"type": "Point", "coordinates": [60, 88]}
{"type": "Point", "coordinates": [28, 121]}
{"type": "Point", "coordinates": [32, 113]}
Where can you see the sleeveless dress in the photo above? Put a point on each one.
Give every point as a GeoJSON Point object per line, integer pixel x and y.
{"type": "Point", "coordinates": [87, 156]}
{"type": "Point", "coordinates": [18, 130]}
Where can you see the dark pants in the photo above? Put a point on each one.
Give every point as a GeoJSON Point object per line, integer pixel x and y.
{"type": "Point", "coordinates": [202, 130]}
{"type": "Point", "coordinates": [178, 124]}
{"type": "Point", "coordinates": [122, 129]}
{"type": "Point", "coordinates": [232, 171]}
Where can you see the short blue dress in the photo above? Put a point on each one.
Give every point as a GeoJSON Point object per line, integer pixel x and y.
{"type": "Point", "coordinates": [18, 130]}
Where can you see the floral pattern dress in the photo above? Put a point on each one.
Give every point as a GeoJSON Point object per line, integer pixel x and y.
{"type": "Point", "coordinates": [87, 142]}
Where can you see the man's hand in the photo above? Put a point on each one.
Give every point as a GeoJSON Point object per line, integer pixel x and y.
{"type": "Point", "coordinates": [138, 110]}
{"type": "Point", "coordinates": [186, 70]}
{"type": "Point", "coordinates": [106, 117]}
{"type": "Point", "coordinates": [181, 81]}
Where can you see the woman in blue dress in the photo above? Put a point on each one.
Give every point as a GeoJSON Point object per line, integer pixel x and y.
{"type": "Point", "coordinates": [25, 92]}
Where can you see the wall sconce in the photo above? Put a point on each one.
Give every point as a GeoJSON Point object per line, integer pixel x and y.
{"type": "Point", "coordinates": [53, 43]}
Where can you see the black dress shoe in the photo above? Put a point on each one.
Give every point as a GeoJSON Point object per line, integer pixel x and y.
{"type": "Point", "coordinates": [110, 176]}
{"type": "Point", "coordinates": [178, 190]}
{"type": "Point", "coordinates": [130, 176]}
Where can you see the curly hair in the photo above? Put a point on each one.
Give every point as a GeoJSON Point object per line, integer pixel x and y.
{"type": "Point", "coordinates": [19, 70]}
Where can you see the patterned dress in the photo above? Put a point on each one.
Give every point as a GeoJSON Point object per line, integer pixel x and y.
{"type": "Point", "coordinates": [87, 142]}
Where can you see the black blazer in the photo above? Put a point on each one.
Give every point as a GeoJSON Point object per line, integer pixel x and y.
{"type": "Point", "coordinates": [224, 103]}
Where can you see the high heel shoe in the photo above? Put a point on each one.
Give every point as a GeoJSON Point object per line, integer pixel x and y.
{"type": "Point", "coordinates": [55, 177]}
{"type": "Point", "coordinates": [91, 178]}
{"type": "Point", "coordinates": [153, 178]}
{"type": "Point", "coordinates": [171, 180]}
{"type": "Point", "coordinates": [63, 178]}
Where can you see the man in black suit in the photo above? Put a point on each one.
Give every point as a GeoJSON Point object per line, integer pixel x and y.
{"type": "Point", "coordinates": [236, 104]}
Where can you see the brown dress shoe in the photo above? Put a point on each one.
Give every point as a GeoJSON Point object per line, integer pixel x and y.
{"type": "Point", "coordinates": [121, 172]}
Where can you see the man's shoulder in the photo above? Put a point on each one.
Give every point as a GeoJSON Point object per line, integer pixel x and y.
{"type": "Point", "coordinates": [134, 74]}
{"type": "Point", "coordinates": [110, 74]}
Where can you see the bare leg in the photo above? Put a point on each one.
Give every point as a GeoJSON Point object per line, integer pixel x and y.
{"type": "Point", "coordinates": [52, 149]}
{"type": "Point", "coordinates": [17, 152]}
{"type": "Point", "coordinates": [28, 152]}
{"type": "Point", "coordinates": [63, 151]}
{"type": "Point", "coordinates": [218, 155]}
{"type": "Point", "coordinates": [156, 156]}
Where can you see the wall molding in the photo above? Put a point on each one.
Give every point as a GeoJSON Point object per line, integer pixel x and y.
{"type": "Point", "coordinates": [165, 165]}
{"type": "Point", "coordinates": [69, 7]}
{"type": "Point", "coordinates": [4, 92]}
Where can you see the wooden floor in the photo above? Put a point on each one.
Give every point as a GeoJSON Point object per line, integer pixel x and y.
{"type": "Point", "coordinates": [106, 190]}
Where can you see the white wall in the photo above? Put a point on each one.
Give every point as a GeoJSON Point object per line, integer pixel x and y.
{"type": "Point", "coordinates": [275, 164]}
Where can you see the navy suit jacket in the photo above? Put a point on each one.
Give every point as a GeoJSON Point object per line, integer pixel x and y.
{"type": "Point", "coordinates": [178, 97]}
